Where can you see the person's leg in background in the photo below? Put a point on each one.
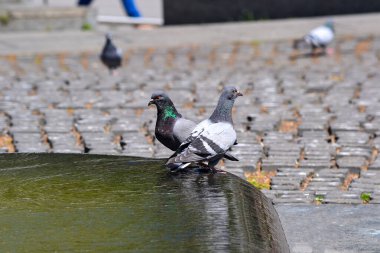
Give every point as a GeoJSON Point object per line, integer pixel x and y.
{"type": "Point", "coordinates": [132, 11]}
{"type": "Point", "coordinates": [131, 8]}
{"type": "Point", "coordinates": [84, 2]}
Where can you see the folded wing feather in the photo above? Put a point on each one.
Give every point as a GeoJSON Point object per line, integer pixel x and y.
{"type": "Point", "coordinates": [215, 139]}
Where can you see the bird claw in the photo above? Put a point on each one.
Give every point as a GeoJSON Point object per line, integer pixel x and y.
{"type": "Point", "coordinates": [330, 51]}
{"type": "Point", "coordinates": [215, 170]}
{"type": "Point", "coordinates": [212, 169]}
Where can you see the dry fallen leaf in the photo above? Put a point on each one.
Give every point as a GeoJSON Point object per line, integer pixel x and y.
{"type": "Point", "coordinates": [201, 111]}
{"type": "Point", "coordinates": [363, 46]}
{"type": "Point", "coordinates": [362, 108]}
{"type": "Point", "coordinates": [139, 112]}
{"type": "Point", "coordinates": [348, 180]}
{"type": "Point", "coordinates": [264, 109]}
{"type": "Point", "coordinates": [305, 183]}
{"type": "Point", "coordinates": [6, 141]}
{"type": "Point", "coordinates": [288, 126]}
{"type": "Point", "coordinates": [260, 179]}
{"type": "Point", "coordinates": [89, 105]}
{"type": "Point", "coordinates": [70, 111]}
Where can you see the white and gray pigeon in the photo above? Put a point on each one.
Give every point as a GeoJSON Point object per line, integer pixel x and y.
{"type": "Point", "coordinates": [319, 37]}
{"type": "Point", "coordinates": [171, 128]}
{"type": "Point", "coordinates": [111, 56]}
{"type": "Point", "coordinates": [211, 138]}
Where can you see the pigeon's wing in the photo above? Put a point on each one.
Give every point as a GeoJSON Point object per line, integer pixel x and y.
{"type": "Point", "coordinates": [119, 52]}
{"type": "Point", "coordinates": [230, 157]}
{"type": "Point", "coordinates": [193, 135]}
{"type": "Point", "coordinates": [111, 56]}
{"type": "Point", "coordinates": [215, 140]}
{"type": "Point", "coordinates": [183, 128]}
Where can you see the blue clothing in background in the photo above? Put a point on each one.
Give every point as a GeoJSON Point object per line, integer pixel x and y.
{"type": "Point", "coordinates": [84, 2]}
{"type": "Point", "coordinates": [129, 7]}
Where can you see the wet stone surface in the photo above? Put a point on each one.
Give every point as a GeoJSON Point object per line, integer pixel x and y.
{"type": "Point", "coordinates": [314, 122]}
{"type": "Point", "coordinates": [129, 204]}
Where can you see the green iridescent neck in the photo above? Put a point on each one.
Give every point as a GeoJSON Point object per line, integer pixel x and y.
{"type": "Point", "coordinates": [169, 113]}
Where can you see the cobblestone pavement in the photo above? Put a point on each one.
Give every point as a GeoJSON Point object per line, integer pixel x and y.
{"type": "Point", "coordinates": [331, 228]}
{"type": "Point", "coordinates": [313, 121]}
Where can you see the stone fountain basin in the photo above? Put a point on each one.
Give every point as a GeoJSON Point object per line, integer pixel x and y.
{"type": "Point", "coordinates": [96, 203]}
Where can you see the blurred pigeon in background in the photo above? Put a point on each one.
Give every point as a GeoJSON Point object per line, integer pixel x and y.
{"type": "Point", "coordinates": [319, 37]}
{"type": "Point", "coordinates": [211, 138]}
{"type": "Point", "coordinates": [111, 56]}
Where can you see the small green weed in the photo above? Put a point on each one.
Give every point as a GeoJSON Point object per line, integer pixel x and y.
{"type": "Point", "coordinates": [86, 27]}
{"type": "Point", "coordinates": [4, 19]}
{"type": "Point", "coordinates": [318, 199]}
{"type": "Point", "coordinates": [365, 197]}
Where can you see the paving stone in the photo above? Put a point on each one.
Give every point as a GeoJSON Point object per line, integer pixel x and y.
{"type": "Point", "coordinates": [355, 138]}
{"type": "Point", "coordinates": [355, 151]}
{"type": "Point", "coordinates": [292, 200]}
{"type": "Point", "coordinates": [314, 163]}
{"type": "Point", "coordinates": [351, 162]}
{"type": "Point", "coordinates": [302, 248]}
{"type": "Point", "coordinates": [375, 165]}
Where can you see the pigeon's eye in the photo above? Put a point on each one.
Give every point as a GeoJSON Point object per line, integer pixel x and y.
{"type": "Point", "coordinates": [157, 97]}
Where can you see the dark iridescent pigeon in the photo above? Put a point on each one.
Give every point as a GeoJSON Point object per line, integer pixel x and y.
{"type": "Point", "coordinates": [210, 139]}
{"type": "Point", "coordinates": [111, 56]}
{"type": "Point", "coordinates": [319, 37]}
{"type": "Point", "coordinates": [171, 128]}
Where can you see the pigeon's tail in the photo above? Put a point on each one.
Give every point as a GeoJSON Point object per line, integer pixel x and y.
{"type": "Point", "coordinates": [171, 160]}
{"type": "Point", "coordinates": [298, 43]}
{"type": "Point", "coordinates": [230, 157]}
{"type": "Point", "coordinates": [172, 164]}
{"type": "Point", "coordinates": [176, 166]}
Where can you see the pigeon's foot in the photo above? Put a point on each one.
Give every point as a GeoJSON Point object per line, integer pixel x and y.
{"type": "Point", "coordinates": [330, 51]}
{"type": "Point", "coordinates": [198, 167]}
{"type": "Point", "coordinates": [206, 168]}
{"type": "Point", "coordinates": [215, 170]}
{"type": "Point", "coordinates": [314, 53]}
{"type": "Point", "coordinates": [317, 53]}
{"type": "Point", "coordinates": [203, 168]}
{"type": "Point", "coordinates": [178, 168]}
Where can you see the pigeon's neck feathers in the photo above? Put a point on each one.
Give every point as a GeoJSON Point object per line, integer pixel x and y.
{"type": "Point", "coordinates": [330, 25]}
{"type": "Point", "coordinates": [170, 112]}
{"type": "Point", "coordinates": [109, 45]}
{"type": "Point", "coordinates": [223, 111]}
{"type": "Point", "coordinates": [167, 111]}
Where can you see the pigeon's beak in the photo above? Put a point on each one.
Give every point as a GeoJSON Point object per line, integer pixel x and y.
{"type": "Point", "coordinates": [151, 102]}
{"type": "Point", "coordinates": [239, 94]}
